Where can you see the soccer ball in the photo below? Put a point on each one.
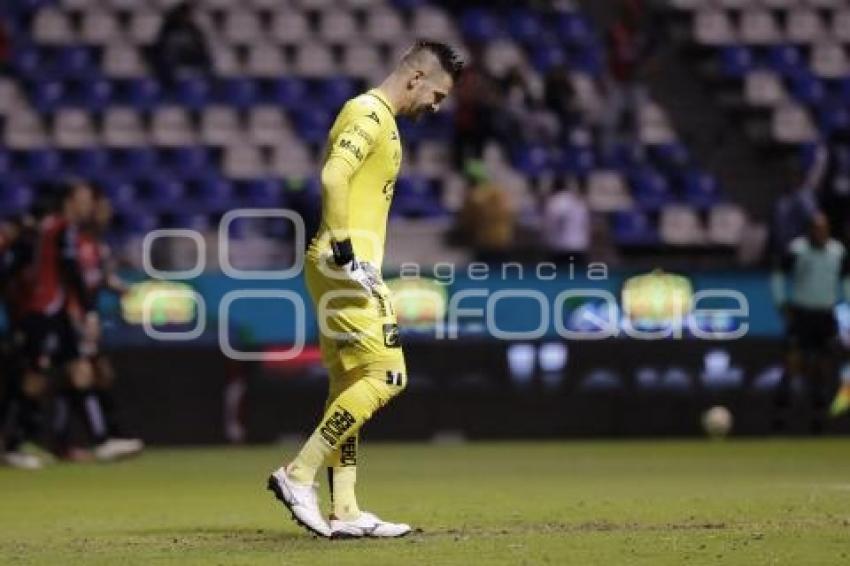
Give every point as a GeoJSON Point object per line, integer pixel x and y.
{"type": "Point", "coordinates": [717, 422]}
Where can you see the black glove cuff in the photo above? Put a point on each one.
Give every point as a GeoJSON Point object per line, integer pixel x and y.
{"type": "Point", "coordinates": [343, 251]}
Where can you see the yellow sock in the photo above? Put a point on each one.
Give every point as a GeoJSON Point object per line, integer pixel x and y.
{"type": "Point", "coordinates": [371, 389]}
{"type": "Point", "coordinates": [342, 476]}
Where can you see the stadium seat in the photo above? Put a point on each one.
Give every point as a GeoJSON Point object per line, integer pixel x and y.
{"type": "Point", "coordinates": [726, 225]}
{"type": "Point", "coordinates": [634, 228]}
{"type": "Point", "coordinates": [680, 225]}
{"type": "Point", "coordinates": [651, 189]}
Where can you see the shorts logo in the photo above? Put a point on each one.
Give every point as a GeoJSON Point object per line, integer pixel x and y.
{"type": "Point", "coordinates": [336, 425]}
{"type": "Point", "coordinates": [391, 336]}
{"type": "Point", "coordinates": [395, 378]}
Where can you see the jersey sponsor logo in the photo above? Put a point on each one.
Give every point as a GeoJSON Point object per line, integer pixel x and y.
{"type": "Point", "coordinates": [394, 136]}
{"type": "Point", "coordinates": [392, 338]}
{"type": "Point", "coordinates": [336, 425]}
{"type": "Point", "coordinates": [352, 148]}
{"type": "Point", "coordinates": [362, 133]}
{"type": "Point", "coordinates": [374, 116]}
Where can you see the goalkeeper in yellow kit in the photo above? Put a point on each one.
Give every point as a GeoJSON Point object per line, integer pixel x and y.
{"type": "Point", "coordinates": [358, 332]}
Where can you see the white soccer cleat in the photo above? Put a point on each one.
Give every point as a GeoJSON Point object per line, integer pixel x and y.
{"type": "Point", "coordinates": [23, 461]}
{"type": "Point", "coordinates": [367, 525]}
{"type": "Point", "coordinates": [301, 500]}
{"type": "Point", "coordinates": [118, 448]}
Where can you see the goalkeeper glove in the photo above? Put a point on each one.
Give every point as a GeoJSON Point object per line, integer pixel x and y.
{"type": "Point", "coordinates": [360, 272]}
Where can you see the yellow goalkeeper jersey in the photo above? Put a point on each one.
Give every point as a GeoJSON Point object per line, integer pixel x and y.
{"type": "Point", "coordinates": [365, 134]}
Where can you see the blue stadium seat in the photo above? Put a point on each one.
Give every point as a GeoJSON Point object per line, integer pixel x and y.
{"type": "Point", "coordinates": [634, 228]}
{"type": "Point", "coordinates": [163, 192]}
{"type": "Point", "coordinates": [312, 123]}
{"type": "Point", "coordinates": [700, 189]}
{"type": "Point", "coordinates": [186, 162]}
{"type": "Point", "coordinates": [87, 163]}
{"type": "Point", "coordinates": [416, 197]}
{"type": "Point", "coordinates": [94, 95]}
{"type": "Point", "coordinates": [736, 61]}
{"type": "Point", "coordinates": [192, 92]}
{"type": "Point", "coordinates": [27, 60]}
{"type": "Point", "coordinates": [289, 92]}
{"type": "Point", "coordinates": [834, 117]}
{"type": "Point", "coordinates": [75, 62]}
{"type": "Point", "coordinates": [576, 160]}
{"type": "Point", "coordinates": [335, 91]}
{"type": "Point", "coordinates": [15, 197]}
{"type": "Point", "coordinates": [479, 25]}
{"type": "Point", "coordinates": [671, 156]}
{"type": "Point", "coordinates": [808, 89]}
{"type": "Point", "coordinates": [574, 29]}
{"type": "Point", "coordinates": [786, 60]}
{"type": "Point", "coordinates": [532, 160]}
{"type": "Point", "coordinates": [47, 95]}
{"type": "Point", "coordinates": [546, 56]}
{"type": "Point", "coordinates": [260, 193]}
{"type": "Point", "coordinates": [524, 25]}
{"type": "Point", "coordinates": [650, 188]}
{"type": "Point", "coordinates": [144, 93]}
{"type": "Point", "coordinates": [43, 164]}
{"type": "Point", "coordinates": [238, 92]}
{"type": "Point", "coordinates": [215, 192]}
{"type": "Point", "coordinates": [121, 193]}
{"type": "Point", "coordinates": [136, 161]}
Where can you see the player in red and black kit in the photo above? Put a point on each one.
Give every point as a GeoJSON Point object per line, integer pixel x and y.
{"type": "Point", "coordinates": [21, 391]}
{"type": "Point", "coordinates": [91, 397]}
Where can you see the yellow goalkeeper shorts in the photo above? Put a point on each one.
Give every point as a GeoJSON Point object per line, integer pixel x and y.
{"type": "Point", "coordinates": [356, 327]}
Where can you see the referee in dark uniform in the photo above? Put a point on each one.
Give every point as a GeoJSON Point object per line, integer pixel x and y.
{"type": "Point", "coordinates": [817, 268]}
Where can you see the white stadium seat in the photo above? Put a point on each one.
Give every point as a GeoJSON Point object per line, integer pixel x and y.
{"type": "Point", "coordinates": [314, 60]}
{"type": "Point", "coordinates": [219, 126]}
{"type": "Point", "coordinates": [73, 129]}
{"type": "Point", "coordinates": [266, 60]}
{"type": "Point", "coordinates": [759, 27]}
{"type": "Point", "coordinates": [289, 27]}
{"type": "Point", "coordinates": [841, 25]}
{"type": "Point", "coordinates": [726, 224]}
{"type": "Point", "coordinates": [25, 130]}
{"type": "Point", "coordinates": [122, 127]}
{"type": "Point", "coordinates": [53, 27]}
{"type": "Point", "coordinates": [100, 27]}
{"type": "Point", "coordinates": [792, 124]}
{"type": "Point", "coordinates": [829, 60]}
{"type": "Point", "coordinates": [803, 25]}
{"type": "Point", "coordinates": [607, 192]}
{"type": "Point", "coordinates": [337, 26]}
{"type": "Point", "coordinates": [269, 126]}
{"type": "Point", "coordinates": [243, 162]}
{"type": "Point", "coordinates": [242, 27]}
{"type": "Point", "coordinates": [293, 160]}
{"type": "Point", "coordinates": [124, 61]}
{"type": "Point", "coordinates": [764, 88]}
{"type": "Point", "coordinates": [680, 225]}
{"type": "Point", "coordinates": [384, 24]}
{"type": "Point", "coordinates": [362, 60]}
{"type": "Point", "coordinates": [171, 127]}
{"type": "Point", "coordinates": [432, 22]}
{"type": "Point", "coordinates": [713, 27]}
{"type": "Point", "coordinates": [144, 26]}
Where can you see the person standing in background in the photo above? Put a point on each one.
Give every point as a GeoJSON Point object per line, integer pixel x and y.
{"type": "Point", "coordinates": [566, 223]}
{"type": "Point", "coordinates": [816, 265]}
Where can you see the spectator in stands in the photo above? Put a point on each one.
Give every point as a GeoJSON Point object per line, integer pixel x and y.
{"type": "Point", "coordinates": [559, 96]}
{"type": "Point", "coordinates": [475, 114]}
{"type": "Point", "coordinates": [526, 118]}
{"type": "Point", "coordinates": [566, 223]}
{"type": "Point", "coordinates": [794, 210]}
{"type": "Point", "coordinates": [628, 49]}
{"type": "Point", "coordinates": [180, 48]}
{"type": "Point", "coordinates": [5, 47]}
{"type": "Point", "coordinates": [487, 218]}
{"type": "Point", "coordinates": [830, 177]}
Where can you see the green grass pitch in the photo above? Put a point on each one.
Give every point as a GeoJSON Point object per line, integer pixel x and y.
{"type": "Point", "coordinates": [654, 503]}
